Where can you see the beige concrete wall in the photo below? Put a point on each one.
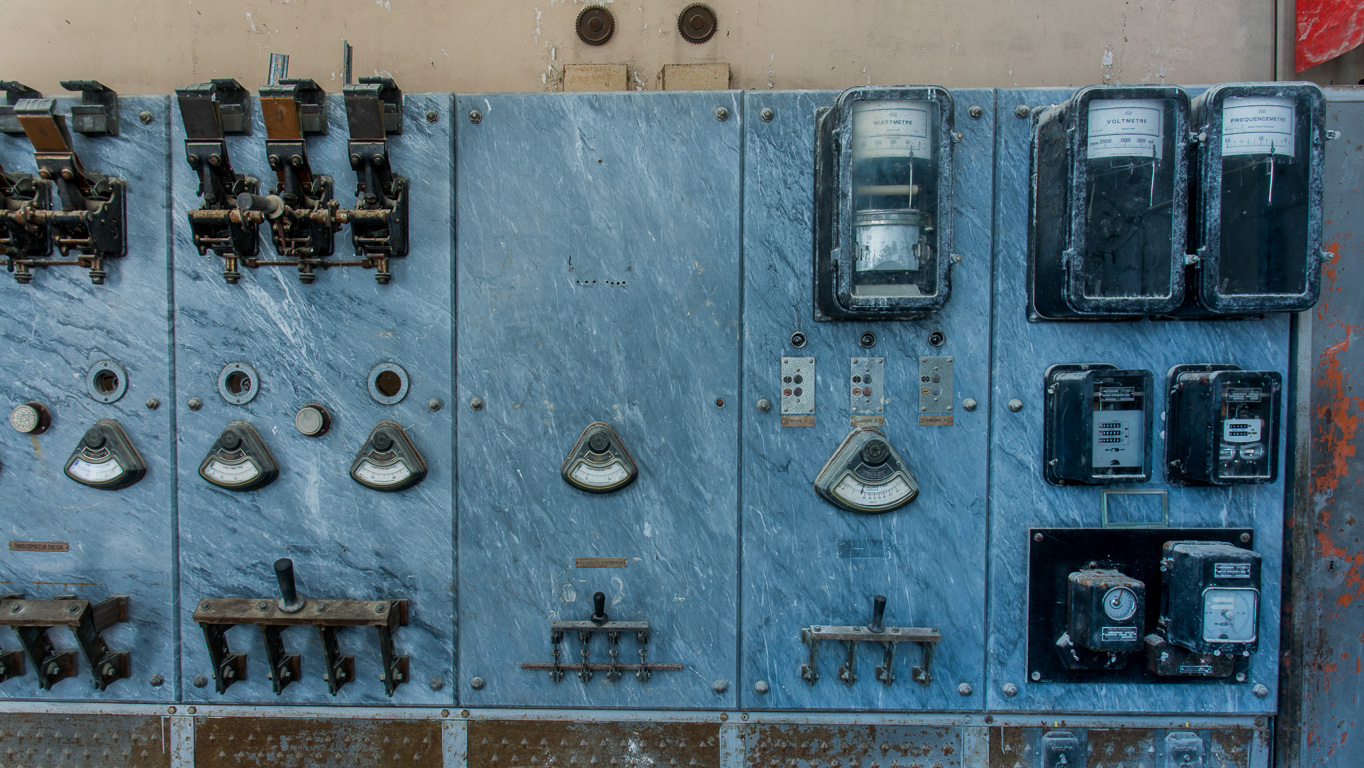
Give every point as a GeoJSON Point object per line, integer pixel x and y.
{"type": "Point", "coordinates": [150, 46]}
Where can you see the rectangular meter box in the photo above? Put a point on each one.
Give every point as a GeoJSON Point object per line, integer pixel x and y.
{"type": "Point", "coordinates": [1098, 425]}
{"type": "Point", "coordinates": [1257, 199]}
{"type": "Point", "coordinates": [1210, 598]}
{"type": "Point", "coordinates": [1222, 425]}
{"type": "Point", "coordinates": [1109, 204]}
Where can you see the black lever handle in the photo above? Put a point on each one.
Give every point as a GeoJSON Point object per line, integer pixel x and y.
{"type": "Point", "coordinates": [289, 601]}
{"type": "Point", "coordinates": [270, 205]}
{"type": "Point", "coordinates": [599, 608]}
{"type": "Point", "coordinates": [878, 611]}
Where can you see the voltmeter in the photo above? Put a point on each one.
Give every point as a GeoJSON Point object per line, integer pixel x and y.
{"type": "Point", "coordinates": [1258, 198]}
{"type": "Point", "coordinates": [105, 458]}
{"type": "Point", "coordinates": [1210, 597]}
{"type": "Point", "coordinates": [239, 460]}
{"type": "Point", "coordinates": [1109, 206]}
{"type": "Point", "coordinates": [1222, 425]}
{"type": "Point", "coordinates": [866, 474]}
{"type": "Point", "coordinates": [1106, 616]}
{"type": "Point", "coordinates": [883, 182]}
{"type": "Point", "coordinates": [599, 462]}
{"type": "Point", "coordinates": [389, 460]}
{"type": "Point", "coordinates": [1098, 425]}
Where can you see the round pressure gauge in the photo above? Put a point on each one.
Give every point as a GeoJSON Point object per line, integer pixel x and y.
{"type": "Point", "coordinates": [1120, 603]}
{"type": "Point", "coordinates": [29, 418]}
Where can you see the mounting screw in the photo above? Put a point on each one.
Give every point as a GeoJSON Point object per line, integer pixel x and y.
{"type": "Point", "coordinates": [964, 689]}
{"type": "Point", "coordinates": [477, 683]}
{"type": "Point", "coordinates": [192, 710]}
{"type": "Point", "coordinates": [798, 340]}
{"type": "Point", "coordinates": [200, 681]}
{"type": "Point", "coordinates": [436, 683]}
{"type": "Point", "coordinates": [867, 340]}
{"type": "Point", "coordinates": [434, 404]}
{"type": "Point", "coordinates": [195, 403]}
{"type": "Point", "coordinates": [1245, 537]}
{"type": "Point", "coordinates": [464, 713]}
{"type": "Point", "coordinates": [721, 114]}
{"type": "Point", "coordinates": [476, 403]}
{"type": "Point", "coordinates": [1015, 405]}
{"type": "Point", "coordinates": [1010, 690]}
{"type": "Point", "coordinates": [764, 405]}
{"type": "Point", "coordinates": [1035, 676]}
{"type": "Point", "coordinates": [724, 716]}
{"type": "Point", "coordinates": [475, 116]}
{"type": "Point", "coordinates": [1240, 677]}
{"type": "Point", "coordinates": [1260, 690]}
{"type": "Point", "coordinates": [1037, 537]}
{"type": "Point", "coordinates": [145, 116]}
{"type": "Point", "coordinates": [380, 608]}
{"type": "Point", "coordinates": [156, 681]}
{"type": "Point", "coordinates": [969, 404]}
{"type": "Point", "coordinates": [153, 403]}
{"type": "Point", "coordinates": [957, 136]}
{"type": "Point", "coordinates": [975, 112]}
{"type": "Point", "coordinates": [767, 114]}
{"type": "Point", "coordinates": [262, 606]}
{"type": "Point", "coordinates": [761, 686]}
{"type": "Point", "coordinates": [719, 686]}
{"type": "Point", "coordinates": [432, 115]}
{"type": "Point", "coordinates": [170, 710]}
{"type": "Point", "coordinates": [1021, 111]}
{"type": "Point", "coordinates": [719, 402]}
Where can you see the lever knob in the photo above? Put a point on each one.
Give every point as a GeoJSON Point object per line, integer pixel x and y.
{"type": "Point", "coordinates": [284, 574]}
{"type": "Point", "coordinates": [878, 612]}
{"type": "Point", "coordinates": [599, 608]}
{"type": "Point", "coordinates": [270, 205]}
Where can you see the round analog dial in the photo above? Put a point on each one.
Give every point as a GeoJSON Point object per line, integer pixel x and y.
{"type": "Point", "coordinates": [1120, 603]}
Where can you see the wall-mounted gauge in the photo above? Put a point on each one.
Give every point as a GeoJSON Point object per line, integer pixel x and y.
{"type": "Point", "coordinates": [866, 474]}
{"type": "Point", "coordinates": [239, 460]}
{"type": "Point", "coordinates": [599, 462]}
{"type": "Point", "coordinates": [105, 458]}
{"type": "Point", "coordinates": [388, 461]}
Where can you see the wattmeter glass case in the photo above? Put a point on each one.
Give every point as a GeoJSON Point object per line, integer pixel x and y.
{"type": "Point", "coordinates": [1222, 425]}
{"type": "Point", "coordinates": [1257, 197]}
{"type": "Point", "coordinates": [866, 474]}
{"type": "Point", "coordinates": [883, 182]}
{"type": "Point", "coordinates": [1210, 598]}
{"type": "Point", "coordinates": [1108, 212]}
{"type": "Point", "coordinates": [1098, 425]}
{"type": "Point", "coordinates": [105, 458]}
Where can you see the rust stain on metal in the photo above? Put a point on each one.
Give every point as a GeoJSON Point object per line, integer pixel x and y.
{"type": "Point", "coordinates": [248, 742]}
{"type": "Point", "coordinates": [1232, 748]}
{"type": "Point", "coordinates": [515, 743]}
{"type": "Point", "coordinates": [853, 746]}
{"type": "Point", "coordinates": [1009, 748]}
{"type": "Point", "coordinates": [77, 741]}
{"type": "Point", "coordinates": [1120, 746]}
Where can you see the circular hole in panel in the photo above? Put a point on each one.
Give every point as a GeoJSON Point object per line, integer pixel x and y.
{"type": "Point", "coordinates": [388, 383]}
{"type": "Point", "coordinates": [106, 381]}
{"type": "Point", "coordinates": [238, 383]}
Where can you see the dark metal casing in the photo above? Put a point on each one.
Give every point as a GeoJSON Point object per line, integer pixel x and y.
{"type": "Point", "coordinates": [1090, 625]}
{"type": "Point", "coordinates": [1194, 573]}
{"type": "Point", "coordinates": [1092, 413]}
{"type": "Point", "coordinates": [1222, 425]}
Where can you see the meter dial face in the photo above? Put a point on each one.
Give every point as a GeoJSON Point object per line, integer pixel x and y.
{"type": "Point", "coordinates": [1229, 615]}
{"type": "Point", "coordinates": [1120, 603]}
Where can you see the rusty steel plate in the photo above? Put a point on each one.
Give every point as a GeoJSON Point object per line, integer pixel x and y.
{"type": "Point", "coordinates": [245, 742]}
{"type": "Point", "coordinates": [77, 741]}
{"type": "Point", "coordinates": [515, 743]}
{"type": "Point", "coordinates": [853, 746]}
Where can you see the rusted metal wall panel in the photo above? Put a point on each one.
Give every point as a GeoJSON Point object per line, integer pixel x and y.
{"type": "Point", "coordinates": [520, 743]}
{"type": "Point", "coordinates": [84, 741]}
{"type": "Point", "coordinates": [239, 742]}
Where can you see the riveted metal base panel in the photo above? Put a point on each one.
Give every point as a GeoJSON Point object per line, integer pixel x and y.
{"type": "Point", "coordinates": [598, 278]}
{"type": "Point", "coordinates": [1130, 747]}
{"type": "Point", "coordinates": [84, 741]}
{"type": "Point", "coordinates": [51, 332]}
{"type": "Point", "coordinates": [251, 742]}
{"type": "Point", "coordinates": [317, 344]}
{"type": "Point", "coordinates": [854, 746]}
{"type": "Point", "coordinates": [524, 743]}
{"type": "Point", "coordinates": [1021, 499]}
{"type": "Point", "coordinates": [806, 562]}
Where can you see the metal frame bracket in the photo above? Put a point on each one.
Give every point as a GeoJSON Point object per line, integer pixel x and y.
{"type": "Point", "coordinates": [15, 91]}
{"type": "Point", "coordinates": [31, 619]}
{"type": "Point", "coordinates": [97, 112]}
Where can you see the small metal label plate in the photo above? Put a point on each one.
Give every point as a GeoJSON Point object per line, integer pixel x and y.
{"type": "Point", "coordinates": [939, 420]}
{"type": "Point", "coordinates": [867, 391]}
{"type": "Point", "coordinates": [797, 391]}
{"type": "Point", "coordinates": [935, 386]}
{"type": "Point", "coordinates": [599, 562]}
{"type": "Point", "coordinates": [39, 546]}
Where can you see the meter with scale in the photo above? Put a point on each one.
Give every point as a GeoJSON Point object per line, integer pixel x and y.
{"type": "Point", "coordinates": [866, 474]}
{"type": "Point", "coordinates": [105, 458]}
{"type": "Point", "coordinates": [882, 197]}
{"type": "Point", "coordinates": [1105, 611]}
{"type": "Point", "coordinates": [1258, 198]}
{"type": "Point", "coordinates": [389, 460]}
{"type": "Point", "coordinates": [239, 460]}
{"type": "Point", "coordinates": [1210, 597]}
{"type": "Point", "coordinates": [599, 462]}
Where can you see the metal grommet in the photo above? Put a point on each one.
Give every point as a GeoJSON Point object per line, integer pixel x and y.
{"type": "Point", "coordinates": [106, 381]}
{"type": "Point", "coordinates": [238, 383]}
{"type": "Point", "coordinates": [696, 23]}
{"type": "Point", "coordinates": [388, 383]}
{"type": "Point", "coordinates": [432, 115]}
{"type": "Point", "coordinates": [475, 116]}
{"type": "Point", "coordinates": [595, 25]}
{"type": "Point", "coordinates": [937, 339]}
{"type": "Point", "coordinates": [798, 340]}
{"type": "Point", "coordinates": [867, 340]}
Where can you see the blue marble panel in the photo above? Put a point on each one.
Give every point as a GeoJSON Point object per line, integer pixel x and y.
{"type": "Point", "coordinates": [805, 562]}
{"type": "Point", "coordinates": [1021, 499]}
{"type": "Point", "coordinates": [598, 280]}
{"type": "Point", "coordinates": [54, 329]}
{"type": "Point", "coordinates": [316, 344]}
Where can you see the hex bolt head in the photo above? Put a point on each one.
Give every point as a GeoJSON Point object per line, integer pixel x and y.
{"type": "Point", "coordinates": [434, 404]}
{"type": "Point", "coordinates": [969, 404]}
{"type": "Point", "coordinates": [431, 117]}
{"type": "Point", "coordinates": [764, 405]}
{"type": "Point", "coordinates": [475, 116]}
{"type": "Point", "coordinates": [477, 683]}
{"type": "Point", "coordinates": [1260, 690]}
{"type": "Point", "coordinates": [145, 116]}
{"type": "Point", "coordinates": [965, 689]}
{"type": "Point", "coordinates": [1015, 405]}
{"type": "Point", "coordinates": [153, 403]}
{"type": "Point", "coordinates": [767, 114]}
{"type": "Point", "coordinates": [761, 686]}
{"type": "Point", "coordinates": [975, 112]}
{"type": "Point", "coordinates": [195, 403]}
{"type": "Point", "coordinates": [1010, 690]}
{"type": "Point", "coordinates": [156, 680]}
{"type": "Point", "coordinates": [476, 403]}
{"type": "Point", "coordinates": [1021, 111]}
{"type": "Point", "coordinates": [720, 686]}
{"type": "Point", "coordinates": [721, 114]}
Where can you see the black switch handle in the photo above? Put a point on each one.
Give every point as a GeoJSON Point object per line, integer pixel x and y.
{"type": "Point", "coordinates": [289, 601]}
{"type": "Point", "coordinates": [270, 205]}
{"type": "Point", "coordinates": [878, 612]}
{"type": "Point", "coordinates": [599, 608]}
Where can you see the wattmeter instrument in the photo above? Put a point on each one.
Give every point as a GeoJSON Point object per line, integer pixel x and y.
{"type": "Point", "coordinates": [1098, 425]}
{"type": "Point", "coordinates": [1257, 198]}
{"type": "Point", "coordinates": [883, 183]}
{"type": "Point", "coordinates": [388, 461]}
{"type": "Point", "coordinates": [1222, 425]}
{"type": "Point", "coordinates": [1210, 598]}
{"type": "Point", "coordinates": [599, 462]}
{"type": "Point", "coordinates": [105, 458]}
{"type": "Point", "coordinates": [866, 474]}
{"type": "Point", "coordinates": [1106, 616]}
{"type": "Point", "coordinates": [239, 460]}
{"type": "Point", "coordinates": [1108, 212]}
